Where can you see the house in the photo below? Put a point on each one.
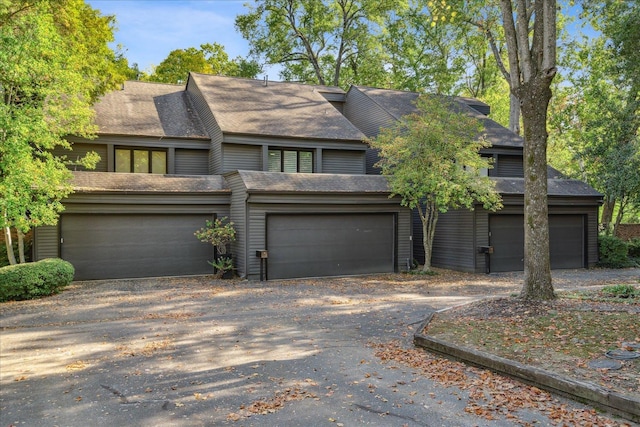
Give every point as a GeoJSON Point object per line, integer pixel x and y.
{"type": "Point", "coordinates": [460, 234]}
{"type": "Point", "coordinates": [286, 162]}
{"type": "Point", "coordinates": [279, 159]}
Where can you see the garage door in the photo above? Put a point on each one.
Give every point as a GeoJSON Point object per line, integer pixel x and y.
{"type": "Point", "coordinates": [566, 241]}
{"type": "Point", "coordinates": [330, 245]}
{"type": "Point", "coordinates": [121, 246]}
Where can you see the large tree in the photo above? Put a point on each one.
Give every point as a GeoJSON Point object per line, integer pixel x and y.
{"type": "Point", "coordinates": [423, 57]}
{"type": "Point", "coordinates": [530, 35]}
{"type": "Point", "coordinates": [325, 42]}
{"type": "Point", "coordinates": [529, 28]}
{"type": "Point", "coordinates": [432, 161]}
{"type": "Point", "coordinates": [54, 63]}
{"type": "Point", "coordinates": [209, 59]}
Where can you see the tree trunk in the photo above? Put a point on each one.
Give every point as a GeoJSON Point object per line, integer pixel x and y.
{"type": "Point", "coordinates": [514, 114]}
{"type": "Point", "coordinates": [620, 215]}
{"type": "Point", "coordinates": [21, 247]}
{"type": "Point", "coordinates": [535, 97]}
{"type": "Point", "coordinates": [429, 219]}
{"type": "Point", "coordinates": [9, 244]}
{"type": "Point", "coordinates": [606, 217]}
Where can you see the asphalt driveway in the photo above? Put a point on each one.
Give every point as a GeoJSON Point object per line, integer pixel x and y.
{"type": "Point", "coordinates": [198, 352]}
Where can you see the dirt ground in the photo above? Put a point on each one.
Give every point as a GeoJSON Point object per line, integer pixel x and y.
{"type": "Point", "coordinates": [568, 336]}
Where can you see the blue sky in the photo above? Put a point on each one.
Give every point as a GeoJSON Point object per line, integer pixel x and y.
{"type": "Point", "coordinates": [149, 29]}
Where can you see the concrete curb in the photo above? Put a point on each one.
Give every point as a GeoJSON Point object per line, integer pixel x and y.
{"type": "Point", "coordinates": [581, 391]}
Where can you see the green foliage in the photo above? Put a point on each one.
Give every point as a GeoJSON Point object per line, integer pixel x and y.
{"type": "Point", "coordinates": [621, 291]}
{"type": "Point", "coordinates": [35, 279]}
{"type": "Point", "coordinates": [634, 248]}
{"type": "Point", "coordinates": [54, 63]}
{"type": "Point", "coordinates": [209, 59]}
{"type": "Point", "coordinates": [433, 155]}
{"type": "Point", "coordinates": [219, 233]}
{"type": "Point", "coordinates": [222, 265]}
{"type": "Point", "coordinates": [432, 161]}
{"type": "Point", "coordinates": [319, 41]}
{"type": "Point", "coordinates": [596, 124]}
{"type": "Point", "coordinates": [613, 252]}
{"type": "Point", "coordinates": [28, 243]}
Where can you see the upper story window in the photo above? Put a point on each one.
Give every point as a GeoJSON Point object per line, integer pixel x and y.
{"type": "Point", "coordinates": [140, 160]}
{"type": "Point", "coordinates": [290, 161]}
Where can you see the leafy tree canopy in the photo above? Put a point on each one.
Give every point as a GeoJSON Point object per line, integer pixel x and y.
{"type": "Point", "coordinates": [432, 161]}
{"type": "Point", "coordinates": [209, 59]}
{"type": "Point", "coordinates": [327, 42]}
{"type": "Point", "coordinates": [54, 63]}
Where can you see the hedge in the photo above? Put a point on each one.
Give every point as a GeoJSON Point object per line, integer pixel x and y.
{"type": "Point", "coordinates": [614, 252]}
{"type": "Point", "coordinates": [34, 279]}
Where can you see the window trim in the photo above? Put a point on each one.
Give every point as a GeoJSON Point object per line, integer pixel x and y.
{"type": "Point", "coordinates": [282, 150]}
{"type": "Point", "coordinates": [149, 151]}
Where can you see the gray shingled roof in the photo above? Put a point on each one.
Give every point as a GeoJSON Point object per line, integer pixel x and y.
{"type": "Point", "coordinates": [256, 181]}
{"type": "Point", "coordinates": [401, 103]}
{"type": "Point", "coordinates": [245, 106]}
{"type": "Point", "coordinates": [148, 109]}
{"type": "Point", "coordinates": [556, 187]}
{"type": "Point", "coordinates": [85, 182]}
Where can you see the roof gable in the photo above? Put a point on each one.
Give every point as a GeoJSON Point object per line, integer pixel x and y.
{"type": "Point", "coordinates": [148, 109]}
{"type": "Point", "coordinates": [257, 107]}
{"type": "Point", "coordinates": [401, 103]}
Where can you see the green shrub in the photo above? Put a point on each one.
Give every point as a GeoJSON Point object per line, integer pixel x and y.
{"type": "Point", "coordinates": [4, 260]}
{"type": "Point", "coordinates": [34, 279]}
{"type": "Point", "coordinates": [614, 252]}
{"type": "Point", "coordinates": [634, 247]}
{"type": "Point", "coordinates": [621, 291]}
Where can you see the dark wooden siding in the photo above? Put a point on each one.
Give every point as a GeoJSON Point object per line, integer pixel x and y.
{"type": "Point", "coordinates": [242, 157]}
{"type": "Point", "coordinates": [46, 242]}
{"type": "Point", "coordinates": [453, 243]}
{"type": "Point", "coordinates": [191, 162]}
{"type": "Point", "coordinates": [80, 150]}
{"type": "Point", "coordinates": [509, 166]}
{"type": "Point", "coordinates": [210, 124]}
{"type": "Point", "coordinates": [372, 159]}
{"type": "Point", "coordinates": [342, 161]}
{"type": "Point", "coordinates": [481, 218]}
{"type": "Point", "coordinates": [365, 114]}
{"type": "Point", "coordinates": [238, 214]}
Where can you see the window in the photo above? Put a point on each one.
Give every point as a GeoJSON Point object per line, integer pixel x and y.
{"type": "Point", "coordinates": [290, 161]}
{"type": "Point", "coordinates": [140, 160]}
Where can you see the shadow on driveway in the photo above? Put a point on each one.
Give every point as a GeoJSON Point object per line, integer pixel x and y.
{"type": "Point", "coordinates": [198, 352]}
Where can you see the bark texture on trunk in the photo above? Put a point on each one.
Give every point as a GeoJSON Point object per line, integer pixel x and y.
{"type": "Point", "coordinates": [514, 114]}
{"type": "Point", "coordinates": [535, 98]}
{"type": "Point", "coordinates": [9, 245]}
{"type": "Point", "coordinates": [429, 217]}
{"type": "Point", "coordinates": [607, 214]}
{"type": "Point", "coordinates": [21, 247]}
